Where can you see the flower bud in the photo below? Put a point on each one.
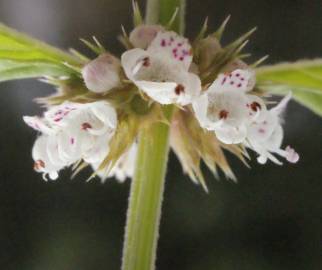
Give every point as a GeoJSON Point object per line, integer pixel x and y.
{"type": "Point", "coordinates": [142, 36]}
{"type": "Point", "coordinates": [207, 49]}
{"type": "Point", "coordinates": [102, 74]}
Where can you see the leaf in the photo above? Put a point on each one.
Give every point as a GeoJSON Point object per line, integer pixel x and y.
{"type": "Point", "coordinates": [303, 78]}
{"type": "Point", "coordinates": [24, 57]}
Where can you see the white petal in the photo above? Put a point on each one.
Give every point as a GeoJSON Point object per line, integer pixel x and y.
{"type": "Point", "coordinates": [42, 161]}
{"type": "Point", "coordinates": [215, 109]}
{"type": "Point", "coordinates": [53, 153]}
{"type": "Point", "coordinates": [231, 135]}
{"type": "Point", "coordinates": [256, 108]}
{"type": "Point", "coordinates": [132, 60]}
{"type": "Point", "coordinates": [172, 46]}
{"type": "Point", "coordinates": [262, 130]}
{"type": "Point", "coordinates": [98, 151]}
{"type": "Point", "coordinates": [69, 146]}
{"type": "Point", "coordinates": [105, 113]}
{"type": "Point", "coordinates": [281, 106]}
{"type": "Point", "coordinates": [200, 107]}
{"type": "Point", "coordinates": [275, 140]}
{"type": "Point", "coordinates": [192, 90]}
{"type": "Point", "coordinates": [58, 116]}
{"type": "Point", "coordinates": [38, 124]}
{"type": "Point", "coordinates": [162, 92]}
{"type": "Point", "coordinates": [238, 81]}
{"type": "Point", "coordinates": [172, 92]}
{"type": "Point", "coordinates": [233, 103]}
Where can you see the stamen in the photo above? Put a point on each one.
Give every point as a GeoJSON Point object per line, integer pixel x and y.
{"type": "Point", "coordinates": [223, 114]}
{"type": "Point", "coordinates": [179, 89]}
{"type": "Point", "coordinates": [86, 126]}
{"type": "Point", "coordinates": [39, 164]}
{"type": "Point", "coordinates": [255, 106]}
{"type": "Point", "coordinates": [146, 62]}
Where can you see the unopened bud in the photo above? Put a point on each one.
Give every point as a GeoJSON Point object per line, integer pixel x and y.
{"type": "Point", "coordinates": [207, 49]}
{"type": "Point", "coordinates": [102, 74]}
{"type": "Point", "coordinates": [142, 36]}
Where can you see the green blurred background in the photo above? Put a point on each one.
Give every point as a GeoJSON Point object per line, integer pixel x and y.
{"type": "Point", "coordinates": [271, 219]}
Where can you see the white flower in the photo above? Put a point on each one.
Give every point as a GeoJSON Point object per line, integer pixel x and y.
{"type": "Point", "coordinates": [161, 71]}
{"type": "Point", "coordinates": [226, 108]}
{"type": "Point", "coordinates": [142, 35]}
{"type": "Point", "coordinates": [265, 136]}
{"type": "Point", "coordinates": [102, 74]}
{"type": "Point", "coordinates": [73, 132]}
{"type": "Point", "coordinates": [123, 169]}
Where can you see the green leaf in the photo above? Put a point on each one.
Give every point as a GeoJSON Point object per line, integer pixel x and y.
{"type": "Point", "coordinates": [303, 78]}
{"type": "Point", "coordinates": [24, 57]}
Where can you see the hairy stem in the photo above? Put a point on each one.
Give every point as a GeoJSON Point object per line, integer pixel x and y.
{"type": "Point", "coordinates": [147, 188]}
{"type": "Point", "coordinates": [146, 198]}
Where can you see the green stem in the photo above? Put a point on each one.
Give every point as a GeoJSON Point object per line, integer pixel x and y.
{"type": "Point", "coordinates": [146, 196]}
{"type": "Point", "coordinates": [147, 188]}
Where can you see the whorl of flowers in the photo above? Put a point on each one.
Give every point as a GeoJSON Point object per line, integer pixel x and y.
{"type": "Point", "coordinates": [95, 117]}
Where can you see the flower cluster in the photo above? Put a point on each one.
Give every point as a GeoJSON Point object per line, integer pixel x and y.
{"type": "Point", "coordinates": [95, 117]}
{"type": "Point", "coordinates": [71, 132]}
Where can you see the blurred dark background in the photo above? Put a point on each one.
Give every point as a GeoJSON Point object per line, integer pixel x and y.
{"type": "Point", "coordinates": [271, 219]}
